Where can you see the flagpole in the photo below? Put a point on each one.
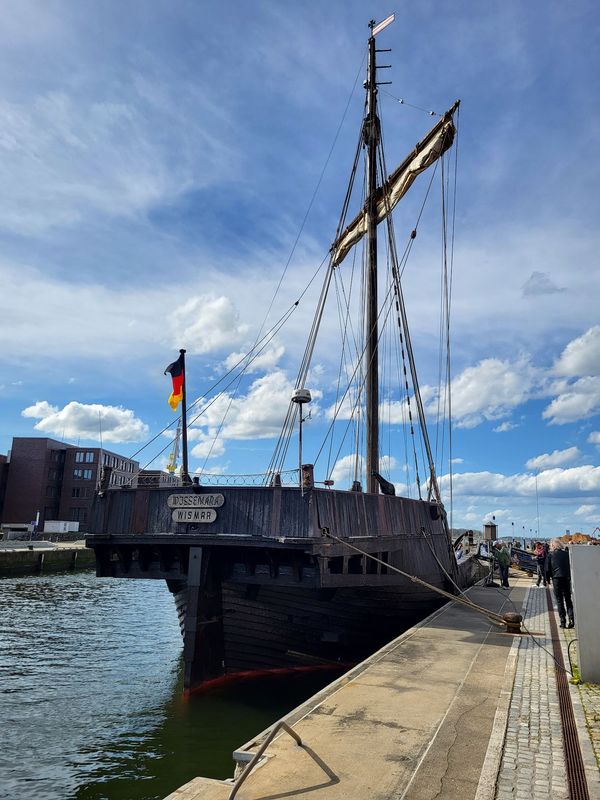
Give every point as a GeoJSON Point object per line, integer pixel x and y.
{"type": "Point", "coordinates": [185, 478]}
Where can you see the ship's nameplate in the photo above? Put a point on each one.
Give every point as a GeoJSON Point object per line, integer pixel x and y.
{"type": "Point", "coordinates": [195, 501]}
{"type": "Point", "coordinates": [194, 515]}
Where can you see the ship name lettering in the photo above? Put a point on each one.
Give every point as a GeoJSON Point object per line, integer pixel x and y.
{"type": "Point", "coordinates": [195, 501]}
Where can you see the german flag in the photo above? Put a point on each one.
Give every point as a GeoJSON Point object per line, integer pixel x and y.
{"type": "Point", "coordinates": [177, 374]}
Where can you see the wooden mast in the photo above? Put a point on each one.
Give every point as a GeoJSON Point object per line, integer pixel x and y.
{"type": "Point", "coordinates": [371, 140]}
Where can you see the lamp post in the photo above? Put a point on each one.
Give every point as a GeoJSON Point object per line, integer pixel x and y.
{"type": "Point", "coordinates": [300, 396]}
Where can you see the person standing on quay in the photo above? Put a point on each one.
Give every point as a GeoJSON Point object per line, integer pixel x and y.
{"type": "Point", "coordinates": [560, 570]}
{"type": "Point", "coordinates": [503, 559]}
{"type": "Point", "coordinates": [540, 562]}
{"type": "Point", "coordinates": [547, 575]}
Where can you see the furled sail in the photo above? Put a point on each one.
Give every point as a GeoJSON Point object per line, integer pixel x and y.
{"type": "Point", "coordinates": [434, 145]}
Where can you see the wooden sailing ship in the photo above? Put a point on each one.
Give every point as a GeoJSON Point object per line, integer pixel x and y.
{"type": "Point", "coordinates": [264, 575]}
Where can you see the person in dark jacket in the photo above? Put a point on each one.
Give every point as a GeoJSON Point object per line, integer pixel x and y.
{"type": "Point", "coordinates": [540, 562]}
{"type": "Point", "coordinates": [502, 556]}
{"type": "Point", "coordinates": [548, 576]}
{"type": "Point", "coordinates": [560, 570]}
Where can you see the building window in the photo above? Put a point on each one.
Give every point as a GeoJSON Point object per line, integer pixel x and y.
{"type": "Point", "coordinates": [80, 491]}
{"type": "Point", "coordinates": [50, 491]}
{"type": "Point", "coordinates": [82, 474]}
{"type": "Point", "coordinates": [49, 513]}
{"type": "Point", "coordinates": [52, 474]}
{"type": "Point", "coordinates": [79, 515]}
{"type": "Point", "coordinates": [89, 457]}
{"type": "Point", "coordinates": [79, 456]}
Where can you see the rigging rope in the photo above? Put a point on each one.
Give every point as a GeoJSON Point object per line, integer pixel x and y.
{"type": "Point", "coordinates": [258, 339]}
{"type": "Point", "coordinates": [356, 406]}
{"type": "Point", "coordinates": [265, 342]}
{"type": "Point", "coordinates": [450, 440]}
{"type": "Point", "coordinates": [283, 442]}
{"type": "Point", "coordinates": [315, 192]}
{"type": "Point", "coordinates": [397, 269]}
{"type": "Point", "coordinates": [492, 616]}
{"type": "Point", "coordinates": [410, 105]}
{"type": "Point", "coordinates": [403, 326]}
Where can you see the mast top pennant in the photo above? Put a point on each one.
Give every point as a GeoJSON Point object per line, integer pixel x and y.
{"type": "Point", "coordinates": [378, 28]}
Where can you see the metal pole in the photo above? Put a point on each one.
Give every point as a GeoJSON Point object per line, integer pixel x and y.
{"type": "Point", "coordinates": [300, 450]}
{"type": "Point", "coordinates": [185, 477]}
{"type": "Point", "coordinates": [371, 139]}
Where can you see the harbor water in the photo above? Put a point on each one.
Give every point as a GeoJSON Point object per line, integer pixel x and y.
{"type": "Point", "coordinates": [91, 694]}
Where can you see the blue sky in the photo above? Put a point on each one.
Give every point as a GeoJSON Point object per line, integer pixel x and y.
{"type": "Point", "coordinates": [158, 160]}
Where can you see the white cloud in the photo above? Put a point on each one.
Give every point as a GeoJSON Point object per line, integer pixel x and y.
{"type": "Point", "coordinates": [98, 313]}
{"type": "Point", "coordinates": [208, 447]}
{"type": "Point", "coordinates": [581, 356]}
{"type": "Point", "coordinates": [498, 515]}
{"type": "Point", "coordinates": [257, 415]}
{"type": "Point", "coordinates": [40, 410]}
{"type": "Point", "coordinates": [394, 412]}
{"type": "Point", "coordinates": [458, 460]}
{"type": "Point", "coordinates": [540, 283]}
{"type": "Point", "coordinates": [570, 482]}
{"type": "Point", "coordinates": [265, 362]}
{"type": "Point", "coordinates": [206, 323]}
{"type": "Point", "coordinates": [344, 470]}
{"type": "Point", "coordinates": [216, 469]}
{"type": "Point", "coordinates": [387, 464]}
{"type": "Point", "coordinates": [489, 390]}
{"type": "Point", "coordinates": [585, 510]}
{"type": "Point", "coordinates": [345, 408]}
{"type": "Point", "coordinates": [594, 438]}
{"type": "Point", "coordinates": [554, 459]}
{"type": "Point", "coordinates": [73, 153]}
{"type": "Point", "coordinates": [81, 421]}
{"type": "Point", "coordinates": [505, 426]}
{"type": "Point", "coordinates": [578, 401]}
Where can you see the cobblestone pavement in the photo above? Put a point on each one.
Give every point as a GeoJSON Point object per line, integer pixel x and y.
{"type": "Point", "coordinates": [533, 762]}
{"type": "Point", "coordinates": [589, 694]}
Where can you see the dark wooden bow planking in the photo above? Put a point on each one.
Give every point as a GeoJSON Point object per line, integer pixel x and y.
{"type": "Point", "coordinates": [262, 585]}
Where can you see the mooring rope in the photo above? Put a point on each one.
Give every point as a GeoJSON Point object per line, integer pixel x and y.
{"type": "Point", "coordinates": [491, 615]}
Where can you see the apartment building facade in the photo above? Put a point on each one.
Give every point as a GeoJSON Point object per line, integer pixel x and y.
{"type": "Point", "coordinates": [50, 480]}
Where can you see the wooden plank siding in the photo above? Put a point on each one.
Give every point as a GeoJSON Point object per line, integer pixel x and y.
{"type": "Point", "coordinates": [266, 512]}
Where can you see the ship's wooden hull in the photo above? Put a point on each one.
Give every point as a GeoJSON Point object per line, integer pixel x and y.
{"type": "Point", "coordinates": [287, 627]}
{"type": "Point", "coordinates": [264, 585]}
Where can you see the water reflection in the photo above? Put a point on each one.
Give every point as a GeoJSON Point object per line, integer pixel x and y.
{"type": "Point", "coordinates": [91, 694]}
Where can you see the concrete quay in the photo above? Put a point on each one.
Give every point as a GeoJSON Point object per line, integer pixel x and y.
{"type": "Point", "coordinates": [19, 557]}
{"type": "Point", "coordinates": [453, 708]}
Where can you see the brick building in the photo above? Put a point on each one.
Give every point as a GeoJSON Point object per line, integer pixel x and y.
{"type": "Point", "coordinates": [57, 480]}
{"type": "Point", "coordinates": [3, 476]}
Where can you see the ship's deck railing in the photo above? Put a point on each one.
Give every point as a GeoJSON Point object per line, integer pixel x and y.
{"type": "Point", "coordinates": [288, 478]}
